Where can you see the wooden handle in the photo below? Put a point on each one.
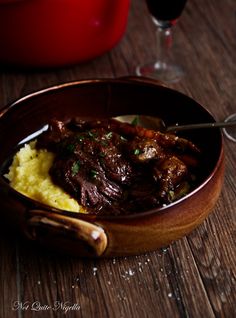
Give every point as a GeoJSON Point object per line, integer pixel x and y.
{"type": "Point", "coordinates": [69, 234]}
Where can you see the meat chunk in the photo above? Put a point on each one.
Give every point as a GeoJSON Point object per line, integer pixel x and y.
{"type": "Point", "coordinates": [143, 150]}
{"type": "Point", "coordinates": [92, 167]}
{"type": "Point", "coordinates": [168, 174]}
{"type": "Point", "coordinates": [86, 181]}
{"type": "Point", "coordinates": [57, 131]}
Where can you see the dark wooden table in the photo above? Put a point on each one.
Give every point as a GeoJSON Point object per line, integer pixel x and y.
{"type": "Point", "coordinates": [195, 276]}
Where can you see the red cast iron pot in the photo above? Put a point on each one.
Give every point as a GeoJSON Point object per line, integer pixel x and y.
{"type": "Point", "coordinates": [45, 33]}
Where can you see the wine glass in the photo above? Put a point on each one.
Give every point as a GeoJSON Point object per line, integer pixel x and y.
{"type": "Point", "coordinates": [230, 132]}
{"type": "Point", "coordinates": [165, 14]}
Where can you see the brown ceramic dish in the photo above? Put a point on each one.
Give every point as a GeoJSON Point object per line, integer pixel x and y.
{"type": "Point", "coordinates": [89, 235]}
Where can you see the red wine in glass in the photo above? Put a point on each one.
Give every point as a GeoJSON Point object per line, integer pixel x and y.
{"type": "Point", "coordinates": [166, 10]}
{"type": "Point", "coordinates": [165, 13]}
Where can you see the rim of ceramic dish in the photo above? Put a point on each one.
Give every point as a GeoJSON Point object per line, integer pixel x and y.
{"type": "Point", "coordinates": [36, 205]}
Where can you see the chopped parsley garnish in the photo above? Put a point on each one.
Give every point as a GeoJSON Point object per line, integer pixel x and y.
{"type": "Point", "coordinates": [70, 148]}
{"type": "Point", "coordinates": [171, 195]}
{"type": "Point", "coordinates": [75, 168]}
{"type": "Point", "coordinates": [104, 143]}
{"type": "Point", "coordinates": [109, 135]}
{"type": "Point", "coordinates": [93, 173]}
{"type": "Point", "coordinates": [92, 134]}
{"type": "Point", "coordinates": [137, 152]}
{"type": "Point", "coordinates": [135, 121]}
{"type": "Point", "coordinates": [102, 154]}
{"type": "Point", "coordinates": [80, 138]}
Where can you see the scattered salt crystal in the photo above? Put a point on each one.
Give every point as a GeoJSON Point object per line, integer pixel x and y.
{"type": "Point", "coordinates": [95, 235]}
{"type": "Point", "coordinates": [127, 274]}
{"type": "Point", "coordinates": [39, 283]}
{"type": "Point", "coordinates": [95, 271]}
{"type": "Point", "coordinates": [164, 250]}
{"type": "Point", "coordinates": [122, 296]}
{"type": "Point", "coordinates": [131, 273]}
{"type": "Point", "coordinates": [170, 295]}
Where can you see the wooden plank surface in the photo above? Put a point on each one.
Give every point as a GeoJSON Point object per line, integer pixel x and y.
{"type": "Point", "coordinates": [195, 276]}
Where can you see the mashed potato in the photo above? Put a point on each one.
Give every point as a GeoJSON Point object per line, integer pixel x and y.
{"type": "Point", "coordinates": [29, 175]}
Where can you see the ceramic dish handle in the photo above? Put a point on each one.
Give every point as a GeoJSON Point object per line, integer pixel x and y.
{"type": "Point", "coordinates": [69, 234]}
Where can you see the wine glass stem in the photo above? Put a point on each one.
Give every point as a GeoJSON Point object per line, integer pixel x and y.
{"type": "Point", "coordinates": [164, 44]}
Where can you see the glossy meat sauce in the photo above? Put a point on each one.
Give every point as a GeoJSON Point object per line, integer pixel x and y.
{"type": "Point", "coordinates": [118, 168]}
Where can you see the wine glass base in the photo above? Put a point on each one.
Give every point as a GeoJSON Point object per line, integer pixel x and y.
{"type": "Point", "coordinates": [230, 132]}
{"type": "Point", "coordinates": [168, 73]}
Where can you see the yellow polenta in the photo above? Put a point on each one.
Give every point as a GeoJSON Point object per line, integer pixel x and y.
{"type": "Point", "coordinates": [29, 174]}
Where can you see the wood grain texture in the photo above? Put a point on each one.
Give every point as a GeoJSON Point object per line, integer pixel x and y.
{"type": "Point", "coordinates": [195, 276]}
